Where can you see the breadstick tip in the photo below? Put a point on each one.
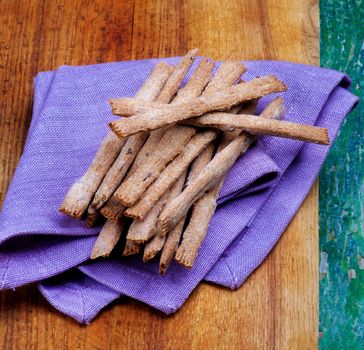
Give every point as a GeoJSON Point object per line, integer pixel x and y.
{"type": "Point", "coordinates": [183, 258]}
{"type": "Point", "coordinates": [280, 84]}
{"type": "Point", "coordinates": [192, 53]}
{"type": "Point", "coordinates": [114, 126]}
{"type": "Point", "coordinates": [70, 212]}
{"type": "Point", "coordinates": [326, 140]}
{"type": "Point", "coordinates": [163, 268]}
{"type": "Point", "coordinates": [131, 214]}
{"type": "Point", "coordinates": [110, 214]}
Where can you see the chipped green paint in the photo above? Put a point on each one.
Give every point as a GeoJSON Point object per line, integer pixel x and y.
{"type": "Point", "coordinates": [342, 187]}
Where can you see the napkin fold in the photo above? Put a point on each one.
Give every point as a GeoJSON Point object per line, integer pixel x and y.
{"type": "Point", "coordinates": [77, 295]}
{"type": "Point", "coordinates": [69, 121]}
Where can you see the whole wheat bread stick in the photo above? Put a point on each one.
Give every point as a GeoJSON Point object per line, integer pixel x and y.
{"type": "Point", "coordinates": [81, 192]}
{"type": "Point", "coordinates": [200, 215]}
{"type": "Point", "coordinates": [167, 92]}
{"type": "Point", "coordinates": [214, 171]}
{"type": "Point", "coordinates": [262, 126]}
{"type": "Point", "coordinates": [173, 84]}
{"type": "Point", "coordinates": [155, 115]}
{"type": "Point", "coordinates": [155, 83]}
{"type": "Point", "coordinates": [107, 239]}
{"type": "Point", "coordinates": [198, 164]}
{"type": "Point", "coordinates": [172, 241]}
{"type": "Point", "coordinates": [170, 174]}
{"type": "Point", "coordinates": [155, 245]}
{"type": "Point", "coordinates": [170, 246]}
{"type": "Point", "coordinates": [113, 209]}
{"type": "Point", "coordinates": [228, 73]}
{"type": "Point", "coordinates": [202, 212]}
{"type": "Point", "coordinates": [169, 146]}
{"type": "Point", "coordinates": [131, 248]}
{"type": "Point", "coordinates": [196, 84]}
{"type": "Point", "coordinates": [256, 126]}
{"type": "Point", "coordinates": [173, 237]}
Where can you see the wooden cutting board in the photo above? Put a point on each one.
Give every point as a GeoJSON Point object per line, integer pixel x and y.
{"type": "Point", "coordinates": [276, 308]}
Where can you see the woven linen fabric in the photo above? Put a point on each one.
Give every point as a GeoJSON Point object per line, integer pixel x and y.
{"type": "Point", "coordinates": [69, 107]}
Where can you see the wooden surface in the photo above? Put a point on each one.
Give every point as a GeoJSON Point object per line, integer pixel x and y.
{"type": "Point", "coordinates": [277, 307]}
{"type": "Point", "coordinates": [341, 188]}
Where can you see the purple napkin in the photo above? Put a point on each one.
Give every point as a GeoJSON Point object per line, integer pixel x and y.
{"type": "Point", "coordinates": [52, 150]}
{"type": "Point", "coordinates": [254, 242]}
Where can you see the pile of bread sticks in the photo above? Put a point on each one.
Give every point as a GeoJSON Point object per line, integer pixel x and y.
{"type": "Point", "coordinates": [157, 175]}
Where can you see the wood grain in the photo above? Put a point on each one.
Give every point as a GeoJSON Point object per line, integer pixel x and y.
{"type": "Point", "coordinates": [277, 307]}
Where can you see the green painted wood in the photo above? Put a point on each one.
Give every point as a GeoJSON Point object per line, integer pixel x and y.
{"type": "Point", "coordinates": [341, 196]}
